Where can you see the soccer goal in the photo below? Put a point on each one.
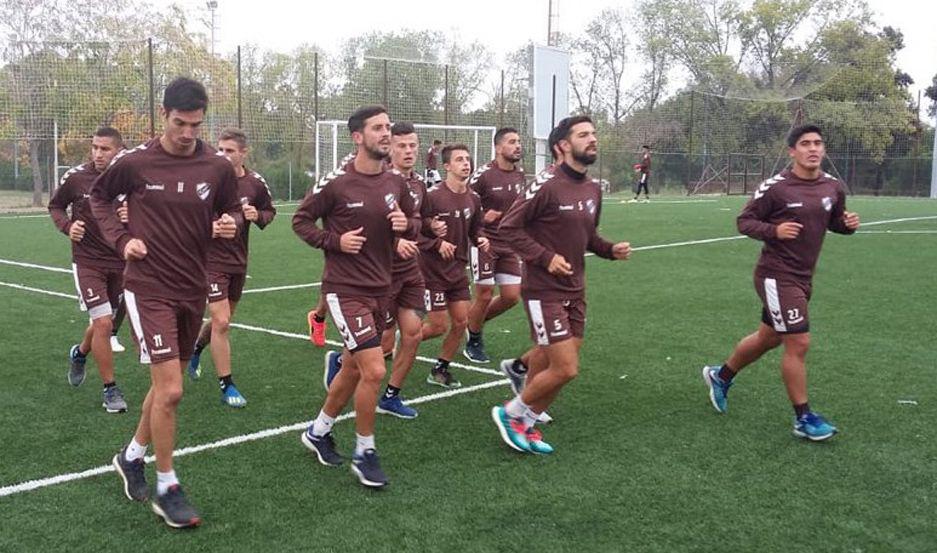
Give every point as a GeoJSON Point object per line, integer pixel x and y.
{"type": "Point", "coordinates": [333, 143]}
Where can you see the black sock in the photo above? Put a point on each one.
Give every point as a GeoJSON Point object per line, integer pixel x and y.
{"type": "Point", "coordinates": [317, 318]}
{"type": "Point", "coordinates": [110, 384]}
{"type": "Point", "coordinates": [225, 381]}
{"type": "Point", "coordinates": [475, 336]}
{"type": "Point", "coordinates": [726, 373]}
{"type": "Point", "coordinates": [80, 355]}
{"type": "Point", "coordinates": [801, 409]}
{"type": "Point", "coordinates": [519, 367]}
{"type": "Point", "coordinates": [441, 365]}
{"type": "Point", "coordinates": [391, 392]}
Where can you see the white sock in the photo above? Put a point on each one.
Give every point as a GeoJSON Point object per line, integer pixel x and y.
{"type": "Point", "coordinates": [322, 425]}
{"type": "Point", "coordinates": [530, 418]}
{"type": "Point", "coordinates": [516, 408]}
{"type": "Point", "coordinates": [135, 451]}
{"type": "Point", "coordinates": [164, 480]}
{"type": "Point", "coordinates": [363, 444]}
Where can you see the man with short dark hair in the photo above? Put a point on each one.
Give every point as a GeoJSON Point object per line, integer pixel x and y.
{"type": "Point", "coordinates": [551, 226]}
{"type": "Point", "coordinates": [444, 258]}
{"type": "Point", "coordinates": [643, 168]}
{"type": "Point", "coordinates": [364, 209]}
{"type": "Point", "coordinates": [497, 184]}
{"type": "Point", "coordinates": [227, 267]}
{"type": "Point", "coordinates": [97, 268]}
{"type": "Point", "coordinates": [176, 187]}
{"type": "Point", "coordinates": [791, 213]}
{"type": "Point", "coordinates": [432, 172]}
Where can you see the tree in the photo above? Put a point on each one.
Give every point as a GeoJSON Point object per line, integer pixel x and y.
{"type": "Point", "coordinates": [931, 93]}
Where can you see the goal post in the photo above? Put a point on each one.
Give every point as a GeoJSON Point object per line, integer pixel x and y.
{"type": "Point", "coordinates": [333, 142]}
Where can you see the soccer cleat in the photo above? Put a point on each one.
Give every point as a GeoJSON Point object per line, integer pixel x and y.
{"type": "Point", "coordinates": [536, 444]}
{"type": "Point", "coordinates": [717, 388]}
{"type": "Point", "coordinates": [116, 347]}
{"type": "Point", "coordinates": [512, 430]}
{"type": "Point", "coordinates": [114, 401]}
{"type": "Point", "coordinates": [194, 368]}
{"type": "Point", "coordinates": [813, 427]}
{"type": "Point", "coordinates": [333, 364]}
{"type": "Point", "coordinates": [323, 447]}
{"type": "Point", "coordinates": [231, 397]}
{"type": "Point", "coordinates": [442, 377]}
{"type": "Point", "coordinates": [475, 351]}
{"type": "Point", "coordinates": [174, 508]}
{"type": "Point", "coordinates": [517, 380]}
{"type": "Point", "coordinates": [76, 366]}
{"type": "Point", "coordinates": [367, 468]}
{"type": "Point", "coordinates": [131, 472]}
{"type": "Point", "coordinates": [544, 418]}
{"type": "Point", "coordinates": [316, 329]}
{"type": "Point", "coordinates": [395, 406]}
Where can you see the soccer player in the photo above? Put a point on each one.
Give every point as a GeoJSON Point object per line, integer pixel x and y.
{"type": "Point", "coordinates": [444, 258]}
{"type": "Point", "coordinates": [175, 186]}
{"type": "Point", "coordinates": [432, 171]}
{"type": "Point", "coordinates": [406, 302]}
{"type": "Point", "coordinates": [790, 213]}
{"type": "Point", "coordinates": [644, 168]}
{"type": "Point", "coordinates": [525, 367]}
{"type": "Point", "coordinates": [551, 226]}
{"type": "Point", "coordinates": [227, 267]}
{"type": "Point", "coordinates": [97, 268]}
{"type": "Point", "coordinates": [497, 184]}
{"type": "Point", "coordinates": [364, 209]}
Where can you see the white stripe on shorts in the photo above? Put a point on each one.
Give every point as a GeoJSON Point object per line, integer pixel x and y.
{"type": "Point", "coordinates": [131, 300]}
{"type": "Point", "coordinates": [81, 295]}
{"type": "Point", "coordinates": [540, 327]}
{"type": "Point", "coordinates": [335, 309]}
{"type": "Point", "coordinates": [774, 305]}
{"type": "Point", "coordinates": [475, 263]}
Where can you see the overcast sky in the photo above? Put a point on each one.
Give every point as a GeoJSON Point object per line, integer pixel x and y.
{"type": "Point", "coordinates": [502, 25]}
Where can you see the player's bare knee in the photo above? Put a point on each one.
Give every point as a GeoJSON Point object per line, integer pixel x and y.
{"type": "Point", "coordinates": [102, 325]}
{"type": "Point", "coordinates": [568, 371]}
{"type": "Point", "coordinates": [220, 325]}
{"type": "Point", "coordinates": [797, 344]}
{"type": "Point", "coordinates": [483, 294]}
{"type": "Point", "coordinates": [168, 396]}
{"type": "Point", "coordinates": [510, 296]}
{"type": "Point", "coordinates": [458, 325]}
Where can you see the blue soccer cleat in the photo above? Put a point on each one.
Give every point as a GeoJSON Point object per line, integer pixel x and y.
{"type": "Point", "coordinates": [194, 369]}
{"type": "Point", "coordinates": [395, 406]}
{"type": "Point", "coordinates": [717, 388]}
{"type": "Point", "coordinates": [812, 426]}
{"type": "Point", "coordinates": [333, 364]}
{"type": "Point", "coordinates": [231, 397]}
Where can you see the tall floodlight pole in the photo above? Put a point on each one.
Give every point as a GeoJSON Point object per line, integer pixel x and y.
{"type": "Point", "coordinates": [933, 167]}
{"type": "Point", "coordinates": [212, 5]}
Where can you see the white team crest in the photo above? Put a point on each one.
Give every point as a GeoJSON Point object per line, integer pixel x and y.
{"type": "Point", "coordinates": [827, 203]}
{"type": "Point", "coordinates": [467, 212]}
{"type": "Point", "coordinates": [203, 189]}
{"type": "Point", "coordinates": [390, 200]}
{"type": "Point", "coordinates": [590, 206]}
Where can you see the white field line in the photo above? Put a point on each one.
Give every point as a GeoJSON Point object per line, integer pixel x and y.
{"type": "Point", "coordinates": [39, 290]}
{"type": "Point", "coordinates": [36, 216]}
{"type": "Point", "coordinates": [897, 232]}
{"type": "Point", "coordinates": [305, 337]}
{"type": "Point", "coordinates": [286, 287]}
{"type": "Point", "coordinates": [902, 220]}
{"type": "Point", "coordinates": [659, 202]}
{"type": "Point", "coordinates": [234, 440]}
{"type": "Point", "coordinates": [35, 266]}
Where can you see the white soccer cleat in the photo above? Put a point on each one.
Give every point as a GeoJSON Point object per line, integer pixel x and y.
{"type": "Point", "coordinates": [544, 418]}
{"type": "Point", "coordinates": [115, 345]}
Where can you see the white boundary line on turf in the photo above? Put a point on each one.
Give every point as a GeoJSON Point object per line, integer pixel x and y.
{"type": "Point", "coordinates": [897, 232]}
{"type": "Point", "coordinates": [234, 440]}
{"type": "Point", "coordinates": [35, 266]}
{"type": "Point", "coordinates": [36, 216]}
{"type": "Point", "coordinates": [39, 290]}
{"type": "Point", "coordinates": [305, 337]}
{"type": "Point", "coordinates": [278, 288]}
